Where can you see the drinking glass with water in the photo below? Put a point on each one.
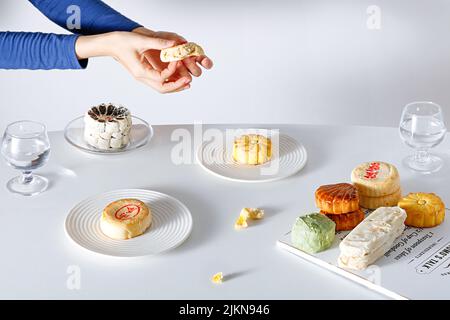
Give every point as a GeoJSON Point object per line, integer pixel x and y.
{"type": "Point", "coordinates": [422, 128]}
{"type": "Point", "coordinates": [26, 147]}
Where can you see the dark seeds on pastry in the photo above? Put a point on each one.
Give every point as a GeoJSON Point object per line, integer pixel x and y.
{"type": "Point", "coordinates": [110, 110]}
{"type": "Point", "coordinates": [108, 113]}
{"type": "Point", "coordinates": [92, 115]}
{"type": "Point", "coordinates": [121, 111]}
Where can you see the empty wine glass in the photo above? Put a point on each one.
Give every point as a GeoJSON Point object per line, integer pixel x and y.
{"type": "Point", "coordinates": [26, 147]}
{"type": "Point", "coordinates": [422, 128]}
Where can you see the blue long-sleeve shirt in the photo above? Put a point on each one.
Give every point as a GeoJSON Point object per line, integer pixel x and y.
{"type": "Point", "coordinates": [34, 50]}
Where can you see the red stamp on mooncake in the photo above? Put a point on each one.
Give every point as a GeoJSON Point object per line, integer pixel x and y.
{"type": "Point", "coordinates": [127, 212]}
{"type": "Point", "coordinates": [372, 171]}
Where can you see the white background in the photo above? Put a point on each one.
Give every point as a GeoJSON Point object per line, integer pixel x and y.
{"type": "Point", "coordinates": [276, 61]}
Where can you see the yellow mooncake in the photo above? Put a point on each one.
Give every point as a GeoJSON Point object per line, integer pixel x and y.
{"type": "Point", "coordinates": [423, 209]}
{"type": "Point", "coordinates": [252, 149]}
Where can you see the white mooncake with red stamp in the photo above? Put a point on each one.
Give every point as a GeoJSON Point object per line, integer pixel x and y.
{"type": "Point", "coordinates": [376, 179]}
{"type": "Point", "coordinates": [125, 219]}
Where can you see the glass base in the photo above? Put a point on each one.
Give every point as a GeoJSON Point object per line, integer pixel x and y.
{"type": "Point", "coordinates": [433, 164]}
{"type": "Point", "coordinates": [35, 186]}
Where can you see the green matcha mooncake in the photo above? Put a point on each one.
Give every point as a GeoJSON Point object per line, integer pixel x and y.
{"type": "Point", "coordinates": [313, 233]}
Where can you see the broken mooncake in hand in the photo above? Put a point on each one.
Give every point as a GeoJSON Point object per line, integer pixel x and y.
{"type": "Point", "coordinates": [181, 52]}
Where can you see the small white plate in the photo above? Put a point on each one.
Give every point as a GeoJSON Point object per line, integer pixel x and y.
{"type": "Point", "coordinates": [140, 135]}
{"type": "Point", "coordinates": [171, 224]}
{"type": "Point", "coordinates": [289, 157]}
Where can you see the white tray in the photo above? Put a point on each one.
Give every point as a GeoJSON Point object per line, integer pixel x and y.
{"type": "Point", "coordinates": [416, 267]}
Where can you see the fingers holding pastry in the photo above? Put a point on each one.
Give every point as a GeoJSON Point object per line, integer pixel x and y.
{"type": "Point", "coordinates": [176, 86]}
{"type": "Point", "coordinates": [192, 66]}
{"type": "Point", "coordinates": [168, 86]}
{"type": "Point", "coordinates": [192, 56]}
{"type": "Point", "coordinates": [205, 62]}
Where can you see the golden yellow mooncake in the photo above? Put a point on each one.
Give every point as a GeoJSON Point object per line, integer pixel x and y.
{"type": "Point", "coordinates": [252, 149]}
{"type": "Point", "coordinates": [423, 210]}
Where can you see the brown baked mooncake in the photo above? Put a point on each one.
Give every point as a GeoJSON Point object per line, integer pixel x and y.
{"type": "Point", "coordinates": [337, 198]}
{"type": "Point", "coordinates": [346, 221]}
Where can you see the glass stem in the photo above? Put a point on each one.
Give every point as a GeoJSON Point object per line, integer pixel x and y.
{"type": "Point", "coordinates": [27, 177]}
{"type": "Point", "coordinates": [421, 156]}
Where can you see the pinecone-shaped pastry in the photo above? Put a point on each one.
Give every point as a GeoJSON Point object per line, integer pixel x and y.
{"type": "Point", "coordinates": [107, 126]}
{"type": "Point", "coordinates": [423, 209]}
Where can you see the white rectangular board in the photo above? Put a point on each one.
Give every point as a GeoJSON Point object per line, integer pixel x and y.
{"type": "Point", "coordinates": [416, 267]}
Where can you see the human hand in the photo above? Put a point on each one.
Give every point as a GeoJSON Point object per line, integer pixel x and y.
{"type": "Point", "coordinates": [190, 64]}
{"type": "Point", "coordinates": [131, 49]}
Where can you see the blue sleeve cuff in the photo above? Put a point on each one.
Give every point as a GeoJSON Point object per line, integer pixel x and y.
{"type": "Point", "coordinates": [72, 55]}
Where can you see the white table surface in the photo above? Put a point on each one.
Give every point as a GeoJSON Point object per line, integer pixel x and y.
{"type": "Point", "coordinates": [36, 253]}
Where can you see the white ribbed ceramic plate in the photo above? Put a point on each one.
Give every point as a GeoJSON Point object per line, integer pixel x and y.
{"type": "Point", "coordinates": [171, 225]}
{"type": "Point", "coordinates": [288, 158]}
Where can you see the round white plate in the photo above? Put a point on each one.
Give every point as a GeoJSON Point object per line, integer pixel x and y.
{"type": "Point", "coordinates": [171, 224]}
{"type": "Point", "coordinates": [140, 134]}
{"type": "Point", "coordinates": [286, 160]}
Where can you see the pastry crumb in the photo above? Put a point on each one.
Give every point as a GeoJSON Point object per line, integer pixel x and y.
{"type": "Point", "coordinates": [255, 213]}
{"type": "Point", "coordinates": [241, 223]}
{"type": "Point", "coordinates": [248, 213]}
{"type": "Point", "coordinates": [217, 278]}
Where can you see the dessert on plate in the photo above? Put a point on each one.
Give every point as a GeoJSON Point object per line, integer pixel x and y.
{"type": "Point", "coordinates": [181, 52]}
{"type": "Point", "coordinates": [107, 126]}
{"type": "Point", "coordinates": [378, 184]}
{"type": "Point", "coordinates": [424, 210]}
{"type": "Point", "coordinates": [252, 149]}
{"type": "Point", "coordinates": [372, 238]}
{"type": "Point", "coordinates": [126, 218]}
{"type": "Point", "coordinates": [313, 233]}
